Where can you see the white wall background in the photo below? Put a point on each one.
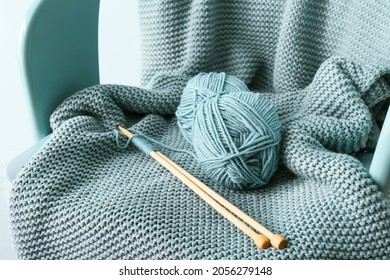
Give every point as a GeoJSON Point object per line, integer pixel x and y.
{"type": "Point", "coordinates": [119, 58]}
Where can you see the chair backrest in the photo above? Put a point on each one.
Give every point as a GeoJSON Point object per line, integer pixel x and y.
{"type": "Point", "coordinates": [58, 53]}
{"type": "Point", "coordinates": [380, 165]}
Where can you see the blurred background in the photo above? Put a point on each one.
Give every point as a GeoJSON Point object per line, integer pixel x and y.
{"type": "Point", "coordinates": [119, 63]}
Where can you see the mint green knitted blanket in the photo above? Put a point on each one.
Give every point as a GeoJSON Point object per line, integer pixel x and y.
{"type": "Point", "coordinates": [324, 64]}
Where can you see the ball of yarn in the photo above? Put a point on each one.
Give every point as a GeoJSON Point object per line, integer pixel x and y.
{"type": "Point", "coordinates": [204, 85]}
{"type": "Point", "coordinates": [235, 133]}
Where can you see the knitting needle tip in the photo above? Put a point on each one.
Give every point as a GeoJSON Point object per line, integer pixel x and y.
{"type": "Point", "coordinates": [125, 132]}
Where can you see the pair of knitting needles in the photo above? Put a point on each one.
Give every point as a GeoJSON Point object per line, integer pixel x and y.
{"type": "Point", "coordinates": [262, 240]}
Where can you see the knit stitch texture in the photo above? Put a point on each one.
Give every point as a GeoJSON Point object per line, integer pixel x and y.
{"type": "Point", "coordinates": [324, 65]}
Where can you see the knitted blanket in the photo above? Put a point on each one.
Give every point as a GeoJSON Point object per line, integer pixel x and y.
{"type": "Point", "coordinates": [324, 65]}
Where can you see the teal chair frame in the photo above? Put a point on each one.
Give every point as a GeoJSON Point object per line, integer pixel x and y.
{"type": "Point", "coordinates": [59, 55]}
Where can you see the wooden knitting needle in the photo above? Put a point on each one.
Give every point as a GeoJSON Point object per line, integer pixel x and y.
{"type": "Point", "coordinates": [260, 241]}
{"type": "Point", "coordinates": [277, 240]}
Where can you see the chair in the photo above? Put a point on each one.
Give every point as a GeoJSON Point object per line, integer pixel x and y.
{"type": "Point", "coordinates": [49, 71]}
{"type": "Point", "coordinates": [52, 72]}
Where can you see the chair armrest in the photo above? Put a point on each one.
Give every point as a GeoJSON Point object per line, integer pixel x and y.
{"type": "Point", "coordinates": [380, 165]}
{"type": "Point", "coordinates": [58, 54]}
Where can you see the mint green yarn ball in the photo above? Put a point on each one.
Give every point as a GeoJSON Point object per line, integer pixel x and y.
{"type": "Point", "coordinates": [202, 86]}
{"type": "Point", "coordinates": [235, 133]}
